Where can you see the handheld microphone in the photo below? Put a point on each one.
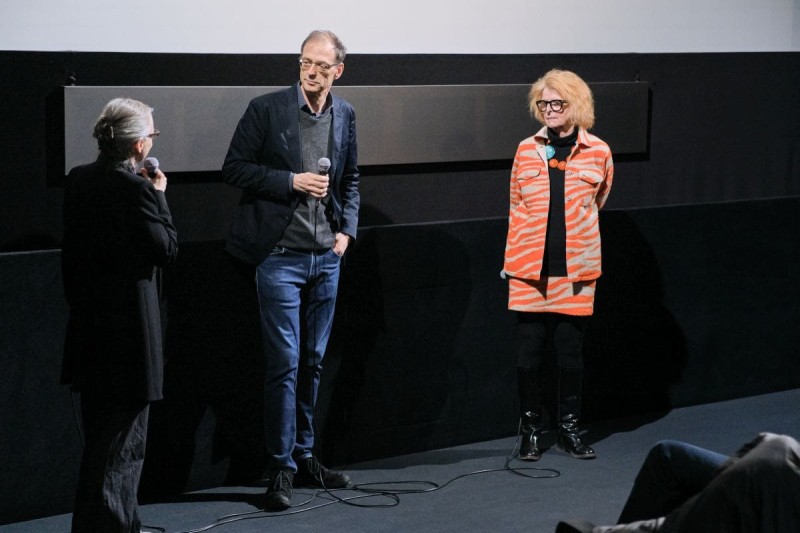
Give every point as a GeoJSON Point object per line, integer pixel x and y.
{"type": "Point", "coordinates": [324, 166]}
{"type": "Point", "coordinates": [151, 165]}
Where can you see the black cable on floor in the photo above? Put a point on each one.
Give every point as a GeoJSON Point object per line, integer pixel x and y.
{"type": "Point", "coordinates": [379, 489]}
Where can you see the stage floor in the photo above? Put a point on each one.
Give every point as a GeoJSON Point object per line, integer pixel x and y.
{"type": "Point", "coordinates": [474, 488]}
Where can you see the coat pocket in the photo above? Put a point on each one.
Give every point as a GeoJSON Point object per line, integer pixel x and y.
{"type": "Point", "coordinates": [590, 176]}
{"type": "Point", "coordinates": [528, 174]}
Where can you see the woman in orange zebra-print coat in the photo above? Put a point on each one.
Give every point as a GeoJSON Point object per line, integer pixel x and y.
{"type": "Point", "coordinates": [560, 179]}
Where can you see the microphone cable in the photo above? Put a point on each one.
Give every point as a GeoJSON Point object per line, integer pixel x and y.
{"type": "Point", "coordinates": [78, 418]}
{"type": "Point", "coordinates": [380, 489]}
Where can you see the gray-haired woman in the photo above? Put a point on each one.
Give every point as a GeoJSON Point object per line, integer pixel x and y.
{"type": "Point", "coordinates": [118, 232]}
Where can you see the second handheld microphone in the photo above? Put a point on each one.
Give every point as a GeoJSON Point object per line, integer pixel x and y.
{"type": "Point", "coordinates": [324, 166]}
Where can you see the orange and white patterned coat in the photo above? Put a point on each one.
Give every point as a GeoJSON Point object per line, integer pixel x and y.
{"type": "Point", "coordinates": [587, 181]}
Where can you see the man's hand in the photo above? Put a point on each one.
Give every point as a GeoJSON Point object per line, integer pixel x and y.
{"type": "Point", "coordinates": [312, 184]}
{"type": "Point", "coordinates": [341, 244]}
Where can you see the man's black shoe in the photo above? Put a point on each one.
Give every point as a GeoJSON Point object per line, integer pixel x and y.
{"type": "Point", "coordinates": [279, 491]}
{"type": "Point", "coordinates": [312, 474]}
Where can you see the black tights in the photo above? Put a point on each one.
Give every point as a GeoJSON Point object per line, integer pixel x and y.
{"type": "Point", "coordinates": [567, 335]}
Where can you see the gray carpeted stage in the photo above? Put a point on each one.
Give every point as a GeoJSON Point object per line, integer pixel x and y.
{"type": "Point", "coordinates": [494, 499]}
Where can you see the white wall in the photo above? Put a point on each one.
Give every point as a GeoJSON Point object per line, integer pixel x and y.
{"type": "Point", "coordinates": [403, 26]}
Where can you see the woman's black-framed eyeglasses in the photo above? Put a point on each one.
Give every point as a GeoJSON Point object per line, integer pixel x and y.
{"type": "Point", "coordinates": [555, 105]}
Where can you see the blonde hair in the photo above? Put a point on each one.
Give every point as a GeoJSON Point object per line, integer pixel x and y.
{"type": "Point", "coordinates": [572, 89]}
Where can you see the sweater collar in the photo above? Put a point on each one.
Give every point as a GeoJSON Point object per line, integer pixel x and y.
{"type": "Point", "coordinates": [582, 140]}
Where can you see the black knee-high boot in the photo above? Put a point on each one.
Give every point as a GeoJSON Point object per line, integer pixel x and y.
{"type": "Point", "coordinates": [570, 383]}
{"type": "Point", "coordinates": [531, 415]}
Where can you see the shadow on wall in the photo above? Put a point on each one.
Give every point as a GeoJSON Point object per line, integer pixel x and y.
{"type": "Point", "coordinates": [394, 377]}
{"type": "Point", "coordinates": [214, 368]}
{"type": "Point", "coordinates": [635, 350]}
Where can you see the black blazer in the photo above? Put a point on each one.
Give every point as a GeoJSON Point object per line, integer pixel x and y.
{"type": "Point", "coordinates": [118, 231]}
{"type": "Point", "coordinates": [263, 154]}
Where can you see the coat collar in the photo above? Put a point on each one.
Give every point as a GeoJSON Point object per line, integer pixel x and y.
{"type": "Point", "coordinates": [584, 138]}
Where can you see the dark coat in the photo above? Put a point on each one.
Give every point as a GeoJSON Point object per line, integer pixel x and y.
{"type": "Point", "coordinates": [118, 232]}
{"type": "Point", "coordinates": [263, 154]}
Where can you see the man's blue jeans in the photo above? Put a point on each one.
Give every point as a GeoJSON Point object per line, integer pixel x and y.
{"type": "Point", "coordinates": [297, 297]}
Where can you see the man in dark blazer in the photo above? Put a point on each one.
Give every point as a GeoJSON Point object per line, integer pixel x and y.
{"type": "Point", "coordinates": [118, 232]}
{"type": "Point", "coordinates": [294, 223]}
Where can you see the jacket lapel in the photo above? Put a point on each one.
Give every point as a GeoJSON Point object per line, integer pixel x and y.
{"type": "Point", "coordinates": [339, 125]}
{"type": "Point", "coordinates": [291, 126]}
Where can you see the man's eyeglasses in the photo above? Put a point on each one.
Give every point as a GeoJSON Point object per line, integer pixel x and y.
{"type": "Point", "coordinates": [155, 133]}
{"type": "Point", "coordinates": [555, 105]}
{"type": "Point", "coordinates": [322, 68]}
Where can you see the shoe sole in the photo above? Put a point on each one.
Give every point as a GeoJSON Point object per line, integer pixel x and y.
{"type": "Point", "coordinates": [575, 455]}
{"type": "Point", "coordinates": [277, 504]}
{"type": "Point", "coordinates": [530, 458]}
